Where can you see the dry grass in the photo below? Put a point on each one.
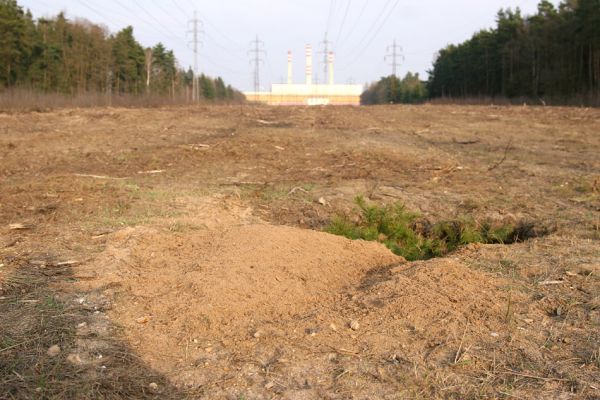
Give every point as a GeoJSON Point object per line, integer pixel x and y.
{"type": "Point", "coordinates": [27, 100]}
{"type": "Point", "coordinates": [434, 159]}
{"type": "Point", "coordinates": [35, 318]}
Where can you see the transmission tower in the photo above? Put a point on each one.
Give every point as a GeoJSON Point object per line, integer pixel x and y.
{"type": "Point", "coordinates": [257, 50]}
{"type": "Point", "coordinates": [394, 57]}
{"type": "Point", "coordinates": [325, 52]}
{"type": "Point", "coordinates": [196, 31]}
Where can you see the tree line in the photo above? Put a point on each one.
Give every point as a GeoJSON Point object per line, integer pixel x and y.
{"type": "Point", "coordinates": [393, 90]}
{"type": "Point", "coordinates": [552, 56]}
{"type": "Point", "coordinates": [58, 55]}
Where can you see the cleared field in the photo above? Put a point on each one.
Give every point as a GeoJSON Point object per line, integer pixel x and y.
{"type": "Point", "coordinates": [180, 252]}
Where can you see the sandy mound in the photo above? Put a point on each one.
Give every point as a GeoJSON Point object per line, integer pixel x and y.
{"type": "Point", "coordinates": [206, 306]}
{"type": "Point", "coordinates": [173, 288]}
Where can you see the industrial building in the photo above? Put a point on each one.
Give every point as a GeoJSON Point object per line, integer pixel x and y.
{"type": "Point", "coordinates": [308, 93]}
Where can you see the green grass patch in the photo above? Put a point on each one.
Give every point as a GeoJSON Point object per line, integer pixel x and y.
{"type": "Point", "coordinates": [413, 237]}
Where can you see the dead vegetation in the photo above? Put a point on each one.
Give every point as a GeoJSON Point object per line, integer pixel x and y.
{"type": "Point", "coordinates": [115, 225]}
{"type": "Point", "coordinates": [51, 347]}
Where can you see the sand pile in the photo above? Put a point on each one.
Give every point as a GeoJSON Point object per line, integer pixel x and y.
{"type": "Point", "coordinates": [196, 304]}
{"type": "Point", "coordinates": [171, 288]}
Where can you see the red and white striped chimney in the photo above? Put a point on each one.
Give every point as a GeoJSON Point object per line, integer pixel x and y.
{"type": "Point", "coordinates": [330, 59]}
{"type": "Point", "coordinates": [290, 78]}
{"type": "Point", "coordinates": [309, 62]}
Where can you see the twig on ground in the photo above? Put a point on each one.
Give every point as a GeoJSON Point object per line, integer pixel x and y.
{"type": "Point", "coordinates": [465, 142]}
{"type": "Point", "coordinates": [99, 177]}
{"type": "Point", "coordinates": [546, 283]}
{"type": "Point", "coordinates": [499, 163]}
{"type": "Point", "coordinates": [541, 378]}
{"type": "Point", "coordinates": [458, 355]}
{"type": "Point", "coordinates": [297, 189]}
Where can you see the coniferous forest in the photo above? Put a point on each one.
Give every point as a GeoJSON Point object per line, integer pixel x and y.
{"type": "Point", "coordinates": [552, 57]}
{"type": "Point", "coordinates": [75, 57]}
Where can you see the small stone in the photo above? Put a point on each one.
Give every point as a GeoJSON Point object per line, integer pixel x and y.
{"type": "Point", "coordinates": [53, 351]}
{"type": "Point", "coordinates": [142, 320]}
{"type": "Point", "coordinates": [558, 311]}
{"type": "Point", "coordinates": [153, 386]}
{"type": "Point", "coordinates": [354, 325]}
{"type": "Point", "coordinates": [269, 385]}
{"type": "Point", "coordinates": [333, 327]}
{"type": "Point", "coordinates": [257, 334]}
{"type": "Point", "coordinates": [311, 331]}
{"type": "Point", "coordinates": [74, 359]}
{"type": "Point", "coordinates": [322, 201]}
{"type": "Point", "coordinates": [494, 334]}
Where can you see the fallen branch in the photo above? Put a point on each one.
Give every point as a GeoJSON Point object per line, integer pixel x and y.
{"type": "Point", "coordinates": [545, 283]}
{"type": "Point", "coordinates": [499, 163]}
{"type": "Point", "coordinates": [66, 263]}
{"type": "Point", "coordinates": [19, 227]}
{"type": "Point", "coordinates": [541, 378]}
{"type": "Point", "coordinates": [243, 184]}
{"type": "Point", "coordinates": [263, 122]}
{"type": "Point", "coordinates": [465, 142]}
{"type": "Point", "coordinates": [458, 355]}
{"type": "Point", "coordinates": [297, 189]}
{"type": "Point", "coordinates": [99, 176]}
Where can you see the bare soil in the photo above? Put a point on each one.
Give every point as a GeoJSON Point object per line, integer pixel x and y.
{"type": "Point", "coordinates": [179, 253]}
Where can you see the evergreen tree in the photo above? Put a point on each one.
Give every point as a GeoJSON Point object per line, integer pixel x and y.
{"type": "Point", "coordinates": [220, 89]}
{"type": "Point", "coordinates": [207, 87]}
{"type": "Point", "coordinates": [76, 56]}
{"type": "Point", "coordinates": [552, 55]}
{"type": "Point", "coordinates": [129, 62]}
{"type": "Point", "coordinates": [14, 43]}
{"type": "Point", "coordinates": [391, 90]}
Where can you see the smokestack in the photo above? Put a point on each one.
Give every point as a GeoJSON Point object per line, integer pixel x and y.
{"type": "Point", "coordinates": [309, 62]}
{"type": "Point", "coordinates": [290, 77]}
{"type": "Point", "coordinates": [330, 58]}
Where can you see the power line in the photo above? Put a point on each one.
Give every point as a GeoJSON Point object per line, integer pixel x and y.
{"type": "Point", "coordinates": [166, 29]}
{"type": "Point", "coordinates": [343, 21]}
{"type": "Point", "coordinates": [167, 12]}
{"type": "Point", "coordinates": [326, 55]}
{"type": "Point", "coordinates": [97, 12]}
{"type": "Point", "coordinates": [394, 52]}
{"type": "Point", "coordinates": [179, 7]}
{"type": "Point", "coordinates": [195, 31]}
{"type": "Point", "coordinates": [374, 36]}
{"type": "Point", "coordinates": [218, 65]}
{"type": "Point", "coordinates": [214, 28]}
{"type": "Point", "coordinates": [233, 54]}
{"type": "Point", "coordinates": [330, 16]}
{"type": "Point", "coordinates": [111, 17]}
{"type": "Point", "coordinates": [360, 15]}
{"type": "Point", "coordinates": [256, 51]}
{"type": "Point", "coordinates": [374, 25]}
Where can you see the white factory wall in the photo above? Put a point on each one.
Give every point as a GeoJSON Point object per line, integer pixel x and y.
{"type": "Point", "coordinates": [316, 90]}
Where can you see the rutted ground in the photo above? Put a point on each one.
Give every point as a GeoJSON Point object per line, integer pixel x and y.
{"type": "Point", "coordinates": [160, 232]}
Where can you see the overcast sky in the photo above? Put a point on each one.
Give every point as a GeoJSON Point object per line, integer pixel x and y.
{"type": "Point", "coordinates": [360, 31]}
